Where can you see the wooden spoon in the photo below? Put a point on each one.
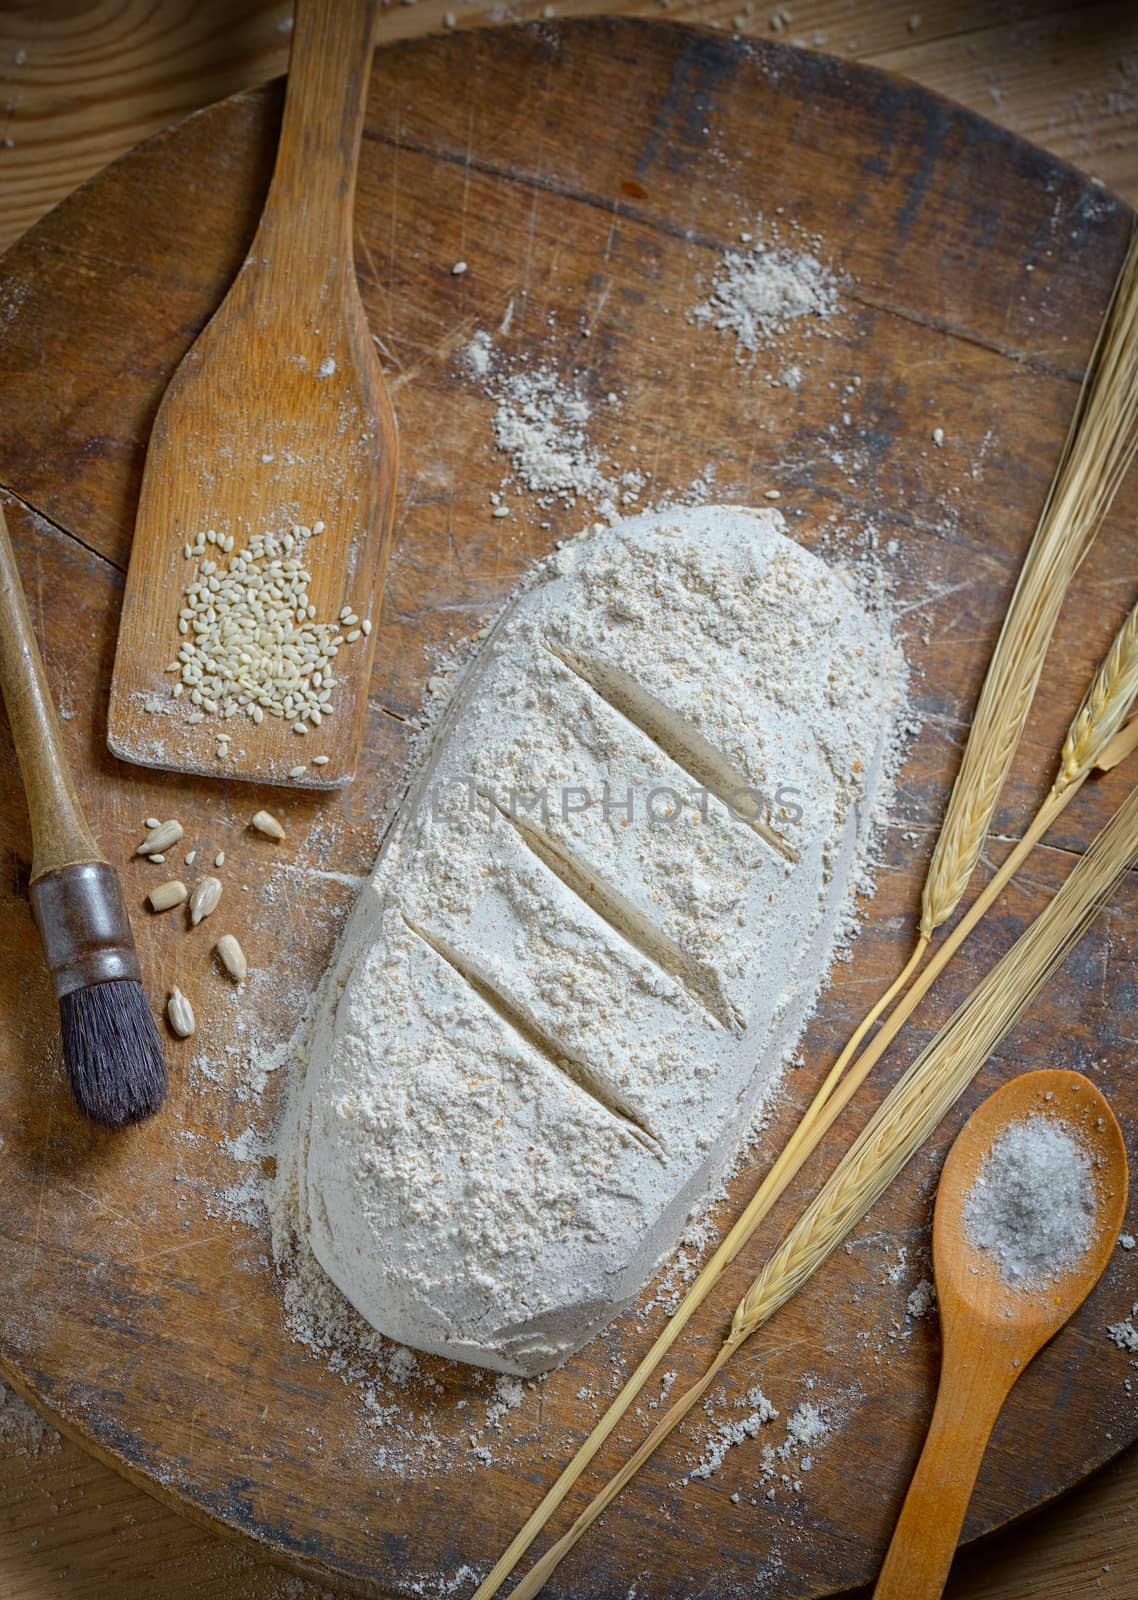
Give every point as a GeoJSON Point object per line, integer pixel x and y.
{"type": "Point", "coordinates": [991, 1331]}
{"type": "Point", "coordinates": [277, 417]}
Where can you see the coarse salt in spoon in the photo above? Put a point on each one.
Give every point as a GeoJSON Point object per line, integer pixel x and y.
{"type": "Point", "coordinates": [247, 635]}
{"type": "Point", "coordinates": [1029, 1208]}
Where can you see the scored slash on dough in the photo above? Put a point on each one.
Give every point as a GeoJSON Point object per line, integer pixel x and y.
{"type": "Point", "coordinates": [684, 744]}
{"type": "Point", "coordinates": [514, 1016]}
{"type": "Point", "coordinates": [622, 916]}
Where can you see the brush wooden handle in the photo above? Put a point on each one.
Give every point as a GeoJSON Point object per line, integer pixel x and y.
{"type": "Point", "coordinates": [60, 835]}
{"type": "Point", "coordinates": [306, 224]}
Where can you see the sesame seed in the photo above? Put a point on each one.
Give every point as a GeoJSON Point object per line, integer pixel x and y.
{"type": "Point", "coordinates": [251, 643]}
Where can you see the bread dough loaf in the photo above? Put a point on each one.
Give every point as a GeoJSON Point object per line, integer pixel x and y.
{"type": "Point", "coordinates": [593, 934]}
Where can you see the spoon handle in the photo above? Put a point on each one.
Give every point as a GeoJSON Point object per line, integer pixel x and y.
{"type": "Point", "coordinates": [972, 1391]}
{"type": "Point", "coordinates": [306, 223]}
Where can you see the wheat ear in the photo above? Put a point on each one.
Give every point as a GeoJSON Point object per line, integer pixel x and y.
{"type": "Point", "coordinates": [1100, 446]}
{"type": "Point", "coordinates": [1099, 738]}
{"type": "Point", "coordinates": [1096, 738]}
{"type": "Point", "coordinates": [1104, 710]}
{"type": "Point", "coordinates": [897, 1130]}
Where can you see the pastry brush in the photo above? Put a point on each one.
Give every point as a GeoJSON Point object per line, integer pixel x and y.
{"type": "Point", "coordinates": [111, 1047]}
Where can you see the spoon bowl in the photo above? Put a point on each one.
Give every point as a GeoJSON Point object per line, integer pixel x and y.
{"type": "Point", "coordinates": [970, 1286]}
{"type": "Point", "coordinates": [992, 1328]}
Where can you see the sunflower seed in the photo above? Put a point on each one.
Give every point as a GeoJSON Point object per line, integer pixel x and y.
{"type": "Point", "coordinates": [160, 838]}
{"type": "Point", "coordinates": [167, 895]}
{"type": "Point", "coordinates": [266, 823]}
{"type": "Point", "coordinates": [180, 1014]}
{"type": "Point", "coordinates": [232, 957]}
{"type": "Point", "coordinates": [204, 899]}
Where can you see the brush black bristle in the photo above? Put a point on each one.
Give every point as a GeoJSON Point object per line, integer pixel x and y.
{"type": "Point", "coordinates": [112, 1053]}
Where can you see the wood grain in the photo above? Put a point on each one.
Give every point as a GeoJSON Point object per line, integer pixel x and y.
{"type": "Point", "coordinates": [81, 83]}
{"type": "Point", "coordinates": [277, 416]}
{"type": "Point", "coordinates": [144, 1552]}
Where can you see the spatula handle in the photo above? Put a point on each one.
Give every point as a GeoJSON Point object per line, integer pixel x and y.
{"type": "Point", "coordinates": [60, 835]}
{"type": "Point", "coordinates": [924, 1541]}
{"type": "Point", "coordinates": [308, 211]}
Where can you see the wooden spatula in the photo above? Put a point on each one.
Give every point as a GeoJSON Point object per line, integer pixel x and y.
{"type": "Point", "coordinates": [992, 1330]}
{"type": "Point", "coordinates": [276, 419]}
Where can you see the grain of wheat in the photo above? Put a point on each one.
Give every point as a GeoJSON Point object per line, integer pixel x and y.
{"type": "Point", "coordinates": [1106, 706]}
{"type": "Point", "coordinates": [249, 640]}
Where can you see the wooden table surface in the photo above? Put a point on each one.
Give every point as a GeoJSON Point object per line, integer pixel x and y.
{"type": "Point", "coordinates": [82, 80]}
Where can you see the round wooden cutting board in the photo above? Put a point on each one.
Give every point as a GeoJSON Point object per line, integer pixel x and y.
{"type": "Point", "coordinates": [592, 176]}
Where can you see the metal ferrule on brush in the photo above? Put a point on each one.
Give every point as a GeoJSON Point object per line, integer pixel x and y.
{"type": "Point", "coordinates": [81, 916]}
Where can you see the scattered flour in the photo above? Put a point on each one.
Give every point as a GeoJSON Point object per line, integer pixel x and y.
{"type": "Point", "coordinates": [1032, 1204]}
{"type": "Point", "coordinates": [478, 355]}
{"type": "Point", "coordinates": [541, 424]}
{"type": "Point", "coordinates": [1125, 1334]}
{"type": "Point", "coordinates": [759, 295]}
{"type": "Point", "coordinates": [922, 1300]}
{"type": "Point", "coordinates": [730, 1433]}
{"type": "Point", "coordinates": [780, 1466]}
{"type": "Point", "coordinates": [806, 1427]}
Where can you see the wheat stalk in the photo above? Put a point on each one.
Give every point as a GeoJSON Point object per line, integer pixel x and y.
{"type": "Point", "coordinates": [1097, 738]}
{"type": "Point", "coordinates": [905, 1119]}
